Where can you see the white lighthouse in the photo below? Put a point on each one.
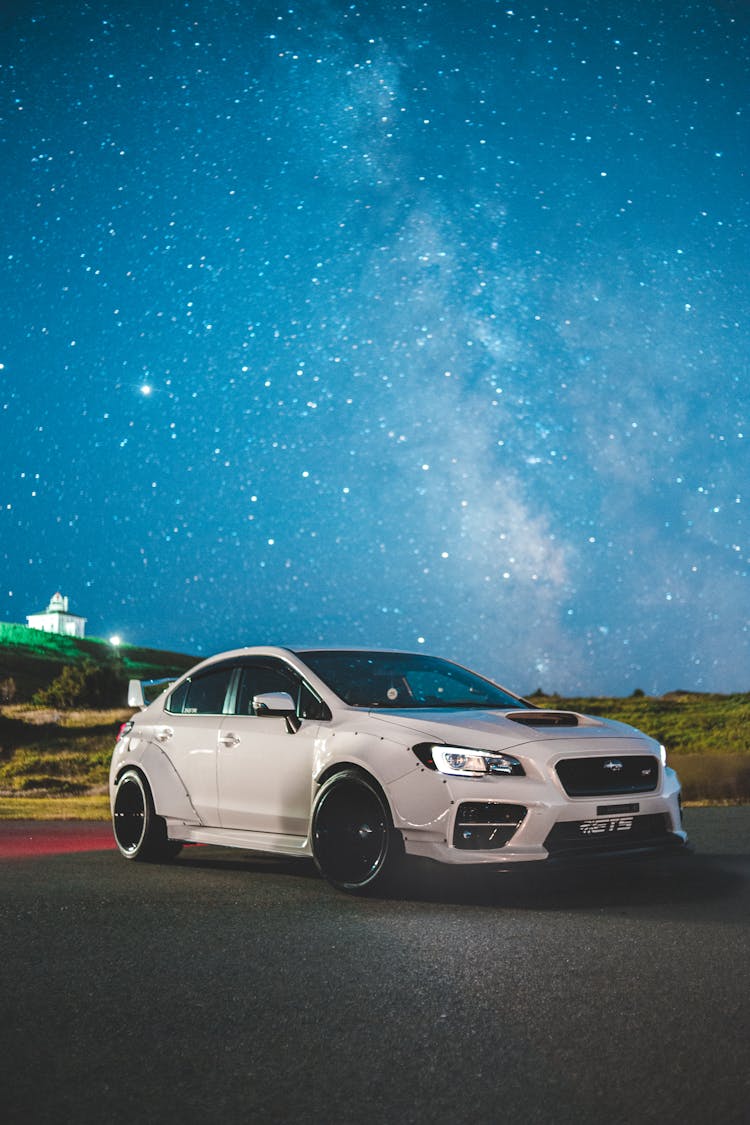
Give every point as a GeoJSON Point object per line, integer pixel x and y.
{"type": "Point", "coordinates": [58, 619]}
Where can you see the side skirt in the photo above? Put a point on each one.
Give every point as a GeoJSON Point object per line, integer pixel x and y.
{"type": "Point", "coordinates": [264, 842]}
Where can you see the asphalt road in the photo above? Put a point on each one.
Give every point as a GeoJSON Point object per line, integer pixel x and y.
{"type": "Point", "coordinates": [224, 988]}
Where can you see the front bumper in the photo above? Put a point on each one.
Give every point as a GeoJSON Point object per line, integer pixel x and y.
{"type": "Point", "coordinates": [518, 820]}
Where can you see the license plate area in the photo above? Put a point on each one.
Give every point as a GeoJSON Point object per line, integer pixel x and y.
{"type": "Point", "coordinates": [606, 825]}
{"type": "Point", "coordinates": [608, 833]}
{"type": "Point", "coordinates": [617, 810]}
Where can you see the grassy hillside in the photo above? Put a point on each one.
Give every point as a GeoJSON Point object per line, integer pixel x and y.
{"type": "Point", "coordinates": [686, 722]}
{"type": "Point", "coordinates": [53, 753]}
{"type": "Point", "coordinates": [30, 660]}
{"type": "Point", "coordinates": [59, 758]}
{"type": "Point", "coordinates": [56, 759]}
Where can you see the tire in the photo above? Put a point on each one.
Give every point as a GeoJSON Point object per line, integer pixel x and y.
{"type": "Point", "coordinates": [355, 846]}
{"type": "Point", "coordinates": [140, 834]}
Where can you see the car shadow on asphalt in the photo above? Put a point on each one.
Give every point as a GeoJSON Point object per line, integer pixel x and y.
{"type": "Point", "coordinates": [662, 881]}
{"type": "Point", "coordinates": [671, 881]}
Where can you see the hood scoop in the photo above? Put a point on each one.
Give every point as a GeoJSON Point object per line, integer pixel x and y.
{"type": "Point", "coordinates": [542, 718]}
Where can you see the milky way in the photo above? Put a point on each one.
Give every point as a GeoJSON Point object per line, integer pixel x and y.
{"type": "Point", "coordinates": [418, 325]}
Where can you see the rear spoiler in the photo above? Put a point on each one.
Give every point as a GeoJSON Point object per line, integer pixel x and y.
{"type": "Point", "coordinates": [136, 695]}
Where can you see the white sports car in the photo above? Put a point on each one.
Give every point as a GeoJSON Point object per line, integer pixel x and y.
{"type": "Point", "coordinates": [359, 758]}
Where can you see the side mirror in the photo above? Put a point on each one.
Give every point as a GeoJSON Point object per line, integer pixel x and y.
{"type": "Point", "coordinates": [278, 703]}
{"type": "Point", "coordinates": [273, 703]}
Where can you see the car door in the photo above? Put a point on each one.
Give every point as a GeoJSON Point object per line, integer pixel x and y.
{"type": "Point", "coordinates": [189, 736]}
{"type": "Point", "coordinates": [265, 766]}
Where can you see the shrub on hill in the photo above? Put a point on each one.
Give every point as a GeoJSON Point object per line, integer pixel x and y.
{"type": "Point", "coordinates": [8, 690]}
{"type": "Point", "coordinates": [83, 685]}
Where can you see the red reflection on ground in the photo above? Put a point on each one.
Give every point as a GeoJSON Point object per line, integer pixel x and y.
{"type": "Point", "coordinates": [20, 838]}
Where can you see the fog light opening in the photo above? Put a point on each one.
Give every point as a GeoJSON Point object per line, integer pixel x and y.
{"type": "Point", "coordinates": [486, 826]}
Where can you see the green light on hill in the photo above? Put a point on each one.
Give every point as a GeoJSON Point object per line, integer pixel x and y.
{"type": "Point", "coordinates": [32, 659]}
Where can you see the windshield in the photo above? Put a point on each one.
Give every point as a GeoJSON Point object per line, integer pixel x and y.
{"type": "Point", "coordinates": [405, 681]}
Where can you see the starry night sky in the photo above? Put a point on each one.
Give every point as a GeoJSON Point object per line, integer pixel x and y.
{"type": "Point", "coordinates": [420, 325]}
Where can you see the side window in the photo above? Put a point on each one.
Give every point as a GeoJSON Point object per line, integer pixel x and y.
{"type": "Point", "coordinates": [256, 679]}
{"type": "Point", "coordinates": [176, 701]}
{"type": "Point", "coordinates": [268, 676]}
{"type": "Point", "coordinates": [201, 695]}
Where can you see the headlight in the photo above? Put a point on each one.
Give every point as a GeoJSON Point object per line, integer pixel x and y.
{"type": "Point", "coordinates": [663, 752]}
{"type": "Point", "coordinates": [461, 761]}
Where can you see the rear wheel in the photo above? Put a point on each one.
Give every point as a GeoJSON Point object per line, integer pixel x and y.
{"type": "Point", "coordinates": [355, 846]}
{"type": "Point", "coordinates": [139, 833]}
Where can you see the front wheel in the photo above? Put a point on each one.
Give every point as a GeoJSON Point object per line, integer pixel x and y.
{"type": "Point", "coordinates": [355, 846]}
{"type": "Point", "coordinates": [139, 833]}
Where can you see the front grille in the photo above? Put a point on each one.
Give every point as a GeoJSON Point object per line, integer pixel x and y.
{"type": "Point", "coordinates": [486, 825]}
{"type": "Point", "coordinates": [594, 777]}
{"type": "Point", "coordinates": [609, 834]}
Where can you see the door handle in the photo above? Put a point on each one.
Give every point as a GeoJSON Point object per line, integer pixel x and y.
{"type": "Point", "coordinates": [228, 739]}
{"type": "Point", "coordinates": [163, 734]}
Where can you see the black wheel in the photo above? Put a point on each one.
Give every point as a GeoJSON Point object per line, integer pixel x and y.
{"type": "Point", "coordinates": [139, 833]}
{"type": "Point", "coordinates": [355, 846]}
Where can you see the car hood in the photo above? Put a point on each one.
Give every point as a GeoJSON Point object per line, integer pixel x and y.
{"type": "Point", "coordinates": [497, 730]}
